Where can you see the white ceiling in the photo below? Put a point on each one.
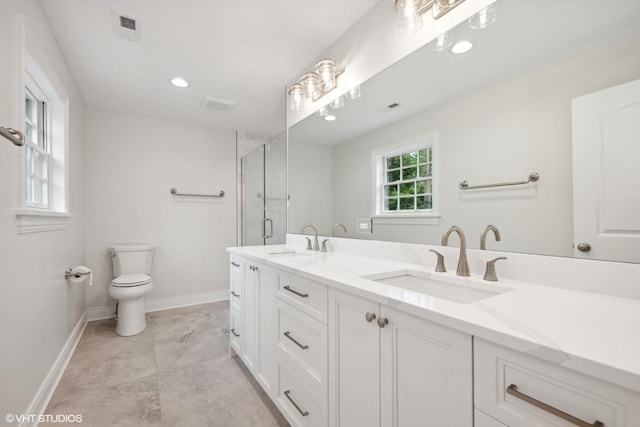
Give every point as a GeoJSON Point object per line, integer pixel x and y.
{"type": "Point", "coordinates": [244, 51]}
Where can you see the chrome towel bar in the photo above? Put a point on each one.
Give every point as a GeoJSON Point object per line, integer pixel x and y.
{"type": "Point", "coordinates": [13, 135]}
{"type": "Point", "coordinates": [175, 193]}
{"type": "Point", "coordinates": [533, 177]}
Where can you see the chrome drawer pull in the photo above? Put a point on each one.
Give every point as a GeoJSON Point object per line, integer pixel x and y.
{"type": "Point", "coordinates": [235, 295]}
{"type": "Point", "coordinates": [235, 264]}
{"type": "Point", "coordinates": [296, 292]}
{"type": "Point", "coordinates": [513, 390]}
{"type": "Point", "coordinates": [233, 331]}
{"type": "Point", "coordinates": [288, 335]}
{"type": "Point", "coordinates": [303, 413]}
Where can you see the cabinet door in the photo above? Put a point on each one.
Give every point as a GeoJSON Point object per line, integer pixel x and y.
{"type": "Point", "coordinates": [266, 327]}
{"type": "Point", "coordinates": [426, 373]}
{"type": "Point", "coordinates": [354, 362]}
{"type": "Point", "coordinates": [250, 324]}
{"type": "Point", "coordinates": [235, 284]}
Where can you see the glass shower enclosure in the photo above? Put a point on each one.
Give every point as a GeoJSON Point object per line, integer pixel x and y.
{"type": "Point", "coordinates": [264, 197]}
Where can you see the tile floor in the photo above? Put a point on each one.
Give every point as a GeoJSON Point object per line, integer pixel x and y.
{"type": "Point", "coordinates": [176, 373]}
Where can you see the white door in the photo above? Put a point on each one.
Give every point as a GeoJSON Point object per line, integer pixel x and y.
{"type": "Point", "coordinates": [606, 174]}
{"type": "Point", "coordinates": [250, 301]}
{"type": "Point", "coordinates": [426, 373]}
{"type": "Point", "coordinates": [266, 324]}
{"type": "Point", "coordinates": [354, 362]}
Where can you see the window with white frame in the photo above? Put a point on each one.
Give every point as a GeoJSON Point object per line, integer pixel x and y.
{"type": "Point", "coordinates": [37, 155]}
{"type": "Point", "coordinates": [404, 184]}
{"type": "Point", "coordinates": [44, 181]}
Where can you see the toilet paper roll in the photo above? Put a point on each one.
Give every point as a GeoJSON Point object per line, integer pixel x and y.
{"type": "Point", "coordinates": [79, 273]}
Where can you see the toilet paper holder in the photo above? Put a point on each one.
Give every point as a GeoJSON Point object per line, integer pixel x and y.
{"type": "Point", "coordinates": [69, 273]}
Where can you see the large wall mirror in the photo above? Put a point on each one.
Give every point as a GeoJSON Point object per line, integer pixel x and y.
{"type": "Point", "coordinates": [506, 108]}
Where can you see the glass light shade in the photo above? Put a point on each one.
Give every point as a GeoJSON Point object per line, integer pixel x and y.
{"type": "Point", "coordinates": [409, 18]}
{"type": "Point", "coordinates": [327, 71]}
{"type": "Point", "coordinates": [337, 103]}
{"type": "Point", "coordinates": [296, 96]}
{"type": "Point", "coordinates": [310, 85]}
{"type": "Point", "coordinates": [323, 111]}
{"type": "Point", "coordinates": [442, 42]}
{"type": "Point", "coordinates": [354, 93]}
{"type": "Point", "coordinates": [484, 18]}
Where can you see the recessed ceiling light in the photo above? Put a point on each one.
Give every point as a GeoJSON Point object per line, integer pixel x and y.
{"type": "Point", "coordinates": [179, 82]}
{"type": "Point", "coordinates": [330, 117]}
{"type": "Point", "coordinates": [463, 46]}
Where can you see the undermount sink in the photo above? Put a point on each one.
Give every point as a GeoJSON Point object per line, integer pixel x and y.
{"type": "Point", "coordinates": [288, 253]}
{"type": "Point", "coordinates": [463, 290]}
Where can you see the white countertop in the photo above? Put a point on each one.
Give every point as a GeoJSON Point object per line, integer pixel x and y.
{"type": "Point", "coordinates": [591, 333]}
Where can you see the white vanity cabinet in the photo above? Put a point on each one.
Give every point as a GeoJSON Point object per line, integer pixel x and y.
{"type": "Point", "coordinates": [258, 289]}
{"type": "Point", "coordinates": [389, 368]}
{"type": "Point", "coordinates": [520, 390]}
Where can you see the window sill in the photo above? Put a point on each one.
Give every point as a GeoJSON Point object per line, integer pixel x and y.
{"type": "Point", "coordinates": [38, 220]}
{"type": "Point", "coordinates": [407, 219]}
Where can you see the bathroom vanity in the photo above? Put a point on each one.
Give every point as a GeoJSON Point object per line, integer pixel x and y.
{"type": "Point", "coordinates": [373, 336]}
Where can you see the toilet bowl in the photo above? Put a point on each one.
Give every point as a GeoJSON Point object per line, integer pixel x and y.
{"type": "Point", "coordinates": [131, 269]}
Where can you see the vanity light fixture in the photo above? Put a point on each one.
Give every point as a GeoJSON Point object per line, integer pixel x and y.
{"type": "Point", "coordinates": [484, 18]}
{"type": "Point", "coordinates": [179, 82]}
{"type": "Point", "coordinates": [354, 93]}
{"type": "Point", "coordinates": [442, 42]}
{"type": "Point", "coordinates": [314, 84]}
{"type": "Point", "coordinates": [463, 46]}
{"type": "Point", "coordinates": [410, 12]}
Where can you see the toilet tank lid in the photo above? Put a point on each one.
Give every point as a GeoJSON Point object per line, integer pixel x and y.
{"type": "Point", "coordinates": [131, 248]}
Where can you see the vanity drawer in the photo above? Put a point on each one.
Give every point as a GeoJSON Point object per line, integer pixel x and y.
{"type": "Point", "coordinates": [506, 381]}
{"type": "Point", "coordinates": [300, 402]}
{"type": "Point", "coordinates": [307, 295]}
{"type": "Point", "coordinates": [235, 330]}
{"type": "Point", "coordinates": [302, 340]}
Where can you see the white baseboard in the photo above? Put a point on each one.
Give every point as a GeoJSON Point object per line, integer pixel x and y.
{"type": "Point", "coordinates": [41, 400]}
{"type": "Point", "coordinates": [108, 312]}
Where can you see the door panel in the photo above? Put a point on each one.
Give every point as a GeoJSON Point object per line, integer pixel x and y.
{"type": "Point", "coordinates": [606, 148]}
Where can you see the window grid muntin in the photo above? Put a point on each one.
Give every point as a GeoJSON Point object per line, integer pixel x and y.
{"type": "Point", "coordinates": [37, 156]}
{"type": "Point", "coordinates": [413, 201]}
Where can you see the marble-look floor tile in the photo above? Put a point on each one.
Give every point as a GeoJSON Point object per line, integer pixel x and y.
{"type": "Point", "coordinates": [102, 357]}
{"type": "Point", "coordinates": [132, 403]}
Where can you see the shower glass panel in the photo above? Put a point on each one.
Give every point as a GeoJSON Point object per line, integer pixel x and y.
{"type": "Point", "coordinates": [264, 194]}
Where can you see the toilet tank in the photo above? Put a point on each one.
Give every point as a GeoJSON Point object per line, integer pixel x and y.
{"type": "Point", "coordinates": [131, 259]}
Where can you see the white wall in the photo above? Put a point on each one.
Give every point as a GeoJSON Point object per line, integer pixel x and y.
{"type": "Point", "coordinates": [39, 309]}
{"type": "Point", "coordinates": [132, 161]}
{"type": "Point", "coordinates": [498, 134]}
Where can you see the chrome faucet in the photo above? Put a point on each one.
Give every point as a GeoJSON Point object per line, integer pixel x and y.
{"type": "Point", "coordinates": [463, 265]}
{"type": "Point", "coordinates": [339, 224]}
{"type": "Point", "coordinates": [316, 245]}
{"type": "Point", "coordinates": [483, 236]}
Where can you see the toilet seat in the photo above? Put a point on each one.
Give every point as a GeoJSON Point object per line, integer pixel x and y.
{"type": "Point", "coordinates": [131, 280]}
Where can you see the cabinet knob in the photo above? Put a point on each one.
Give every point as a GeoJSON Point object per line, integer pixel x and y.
{"type": "Point", "coordinates": [370, 317]}
{"type": "Point", "coordinates": [382, 321]}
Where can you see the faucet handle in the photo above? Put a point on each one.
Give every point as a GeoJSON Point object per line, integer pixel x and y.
{"type": "Point", "coordinates": [308, 244]}
{"type": "Point", "coordinates": [324, 245]}
{"type": "Point", "coordinates": [490, 272]}
{"type": "Point", "coordinates": [440, 263]}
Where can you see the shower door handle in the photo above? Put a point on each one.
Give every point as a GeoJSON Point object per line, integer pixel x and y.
{"type": "Point", "coordinates": [264, 228]}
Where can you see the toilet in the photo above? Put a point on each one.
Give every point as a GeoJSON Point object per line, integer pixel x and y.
{"type": "Point", "coordinates": [132, 281]}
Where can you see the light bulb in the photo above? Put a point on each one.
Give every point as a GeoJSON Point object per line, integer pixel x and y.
{"type": "Point", "coordinates": [323, 111]}
{"type": "Point", "coordinates": [442, 42]}
{"type": "Point", "coordinates": [409, 19]}
{"type": "Point", "coordinates": [296, 96]}
{"type": "Point", "coordinates": [354, 93]}
{"type": "Point", "coordinates": [179, 82]}
{"type": "Point", "coordinates": [310, 85]}
{"type": "Point", "coordinates": [326, 71]}
{"type": "Point", "coordinates": [337, 103]}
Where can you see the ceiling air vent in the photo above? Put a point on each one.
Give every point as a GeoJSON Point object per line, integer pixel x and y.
{"type": "Point", "coordinates": [217, 104]}
{"type": "Point", "coordinates": [125, 27]}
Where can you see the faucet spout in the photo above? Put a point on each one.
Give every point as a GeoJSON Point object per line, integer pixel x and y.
{"type": "Point", "coordinates": [339, 224]}
{"type": "Point", "coordinates": [483, 236]}
{"type": "Point", "coordinates": [316, 245]}
{"type": "Point", "coordinates": [463, 264]}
